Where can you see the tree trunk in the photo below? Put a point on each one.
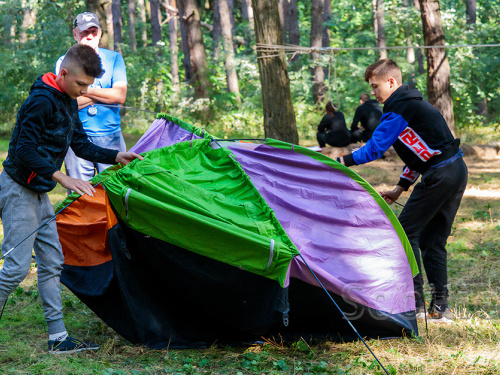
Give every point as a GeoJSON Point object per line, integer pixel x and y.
{"type": "Point", "coordinates": [438, 68]}
{"type": "Point", "coordinates": [420, 60]}
{"type": "Point", "coordinates": [482, 105]}
{"type": "Point", "coordinates": [142, 28]}
{"type": "Point", "coordinates": [217, 32]}
{"type": "Point", "coordinates": [100, 7]}
{"type": "Point", "coordinates": [155, 21]}
{"type": "Point", "coordinates": [279, 116]}
{"type": "Point", "coordinates": [327, 15]}
{"type": "Point", "coordinates": [29, 20]}
{"type": "Point", "coordinates": [378, 26]}
{"type": "Point", "coordinates": [117, 25]}
{"type": "Point", "coordinates": [292, 17]}
{"type": "Point", "coordinates": [230, 4]}
{"type": "Point", "coordinates": [174, 50]}
{"type": "Point", "coordinates": [410, 52]}
{"type": "Point", "coordinates": [109, 25]}
{"type": "Point", "coordinates": [282, 5]}
{"type": "Point", "coordinates": [227, 36]}
{"type": "Point", "coordinates": [186, 61]}
{"type": "Point", "coordinates": [131, 26]}
{"type": "Point", "coordinates": [198, 60]}
{"type": "Point", "coordinates": [470, 12]}
{"type": "Point", "coordinates": [247, 14]}
{"type": "Point", "coordinates": [319, 88]}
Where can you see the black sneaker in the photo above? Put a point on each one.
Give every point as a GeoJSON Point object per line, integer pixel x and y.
{"type": "Point", "coordinates": [70, 345]}
{"type": "Point", "coordinates": [441, 313]}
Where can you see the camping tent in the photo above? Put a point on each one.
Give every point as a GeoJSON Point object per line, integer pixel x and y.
{"type": "Point", "coordinates": [208, 240]}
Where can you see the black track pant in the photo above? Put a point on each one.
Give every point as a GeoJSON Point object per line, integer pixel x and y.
{"type": "Point", "coordinates": [427, 219]}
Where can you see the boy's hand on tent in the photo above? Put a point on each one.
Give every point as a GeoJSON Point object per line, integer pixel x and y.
{"type": "Point", "coordinates": [126, 157]}
{"type": "Point", "coordinates": [391, 196]}
{"type": "Point", "coordinates": [75, 184]}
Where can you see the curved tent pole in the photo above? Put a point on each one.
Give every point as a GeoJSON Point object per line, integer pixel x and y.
{"type": "Point", "coordinates": [348, 321]}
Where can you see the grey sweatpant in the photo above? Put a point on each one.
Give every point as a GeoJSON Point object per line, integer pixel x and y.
{"type": "Point", "coordinates": [22, 211]}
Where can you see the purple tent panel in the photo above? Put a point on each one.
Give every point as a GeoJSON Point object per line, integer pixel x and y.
{"type": "Point", "coordinates": [334, 222]}
{"type": "Point", "coordinates": [162, 133]}
{"type": "Point", "coordinates": [341, 231]}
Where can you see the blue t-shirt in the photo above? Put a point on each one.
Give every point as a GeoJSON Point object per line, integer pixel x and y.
{"type": "Point", "coordinates": [107, 120]}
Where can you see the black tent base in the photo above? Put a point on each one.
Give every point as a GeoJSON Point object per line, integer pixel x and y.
{"type": "Point", "coordinates": [159, 295]}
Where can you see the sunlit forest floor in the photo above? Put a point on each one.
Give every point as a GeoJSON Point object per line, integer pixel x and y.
{"type": "Point", "coordinates": [469, 345]}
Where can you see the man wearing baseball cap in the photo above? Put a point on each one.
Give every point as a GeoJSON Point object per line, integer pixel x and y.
{"type": "Point", "coordinates": [98, 109]}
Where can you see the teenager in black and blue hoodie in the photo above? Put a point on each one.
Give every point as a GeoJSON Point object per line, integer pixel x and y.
{"type": "Point", "coordinates": [47, 124]}
{"type": "Point", "coordinates": [426, 145]}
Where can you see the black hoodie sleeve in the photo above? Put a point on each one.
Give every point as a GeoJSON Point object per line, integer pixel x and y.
{"type": "Point", "coordinates": [325, 124]}
{"type": "Point", "coordinates": [85, 149]}
{"type": "Point", "coordinates": [36, 115]}
{"type": "Point", "coordinates": [355, 120]}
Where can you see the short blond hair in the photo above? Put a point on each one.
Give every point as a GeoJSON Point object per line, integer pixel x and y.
{"type": "Point", "coordinates": [384, 69]}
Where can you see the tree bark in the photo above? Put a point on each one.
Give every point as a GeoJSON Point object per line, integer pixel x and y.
{"type": "Point", "coordinates": [279, 115]}
{"type": "Point", "coordinates": [101, 7]}
{"type": "Point", "coordinates": [216, 32]}
{"type": "Point", "coordinates": [186, 60]}
{"type": "Point", "coordinates": [174, 49]}
{"type": "Point", "coordinates": [438, 68]}
{"type": "Point", "coordinates": [470, 12]}
{"type": "Point", "coordinates": [247, 14]}
{"type": "Point", "coordinates": [410, 52]}
{"type": "Point", "coordinates": [155, 21]}
{"type": "Point", "coordinates": [117, 25]}
{"type": "Point", "coordinates": [420, 60]}
{"type": "Point", "coordinates": [198, 60]}
{"type": "Point", "coordinates": [230, 4]}
{"type": "Point", "coordinates": [482, 105]}
{"type": "Point", "coordinates": [109, 25]}
{"type": "Point", "coordinates": [327, 15]}
{"type": "Point", "coordinates": [229, 62]}
{"type": "Point", "coordinates": [282, 5]}
{"type": "Point", "coordinates": [319, 88]}
{"type": "Point", "coordinates": [132, 42]}
{"type": "Point", "coordinates": [292, 17]}
{"type": "Point", "coordinates": [378, 26]}
{"type": "Point", "coordinates": [142, 27]}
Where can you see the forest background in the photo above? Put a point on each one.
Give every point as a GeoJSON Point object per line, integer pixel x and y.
{"type": "Point", "coordinates": [149, 34]}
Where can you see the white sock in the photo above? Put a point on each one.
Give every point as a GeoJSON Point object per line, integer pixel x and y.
{"type": "Point", "coordinates": [60, 336]}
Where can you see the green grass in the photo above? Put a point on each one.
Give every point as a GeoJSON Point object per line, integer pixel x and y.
{"type": "Point", "coordinates": [470, 345]}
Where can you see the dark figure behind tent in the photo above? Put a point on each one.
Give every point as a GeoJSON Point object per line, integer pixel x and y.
{"type": "Point", "coordinates": [332, 128]}
{"type": "Point", "coordinates": [368, 114]}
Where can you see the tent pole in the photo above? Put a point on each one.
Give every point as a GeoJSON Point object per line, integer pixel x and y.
{"type": "Point", "coordinates": [345, 317]}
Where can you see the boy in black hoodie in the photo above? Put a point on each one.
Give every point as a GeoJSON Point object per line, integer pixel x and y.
{"type": "Point", "coordinates": [47, 124]}
{"type": "Point", "coordinates": [424, 142]}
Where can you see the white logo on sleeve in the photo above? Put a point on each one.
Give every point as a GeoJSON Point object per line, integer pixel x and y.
{"type": "Point", "coordinates": [417, 145]}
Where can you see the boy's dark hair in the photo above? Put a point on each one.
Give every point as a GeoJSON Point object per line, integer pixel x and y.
{"type": "Point", "coordinates": [364, 97]}
{"type": "Point", "coordinates": [85, 57]}
{"type": "Point", "coordinates": [384, 69]}
{"type": "Point", "coordinates": [330, 107]}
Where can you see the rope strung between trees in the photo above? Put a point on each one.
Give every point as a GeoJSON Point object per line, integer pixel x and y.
{"type": "Point", "coordinates": [334, 62]}
{"type": "Point", "coordinates": [290, 49]}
